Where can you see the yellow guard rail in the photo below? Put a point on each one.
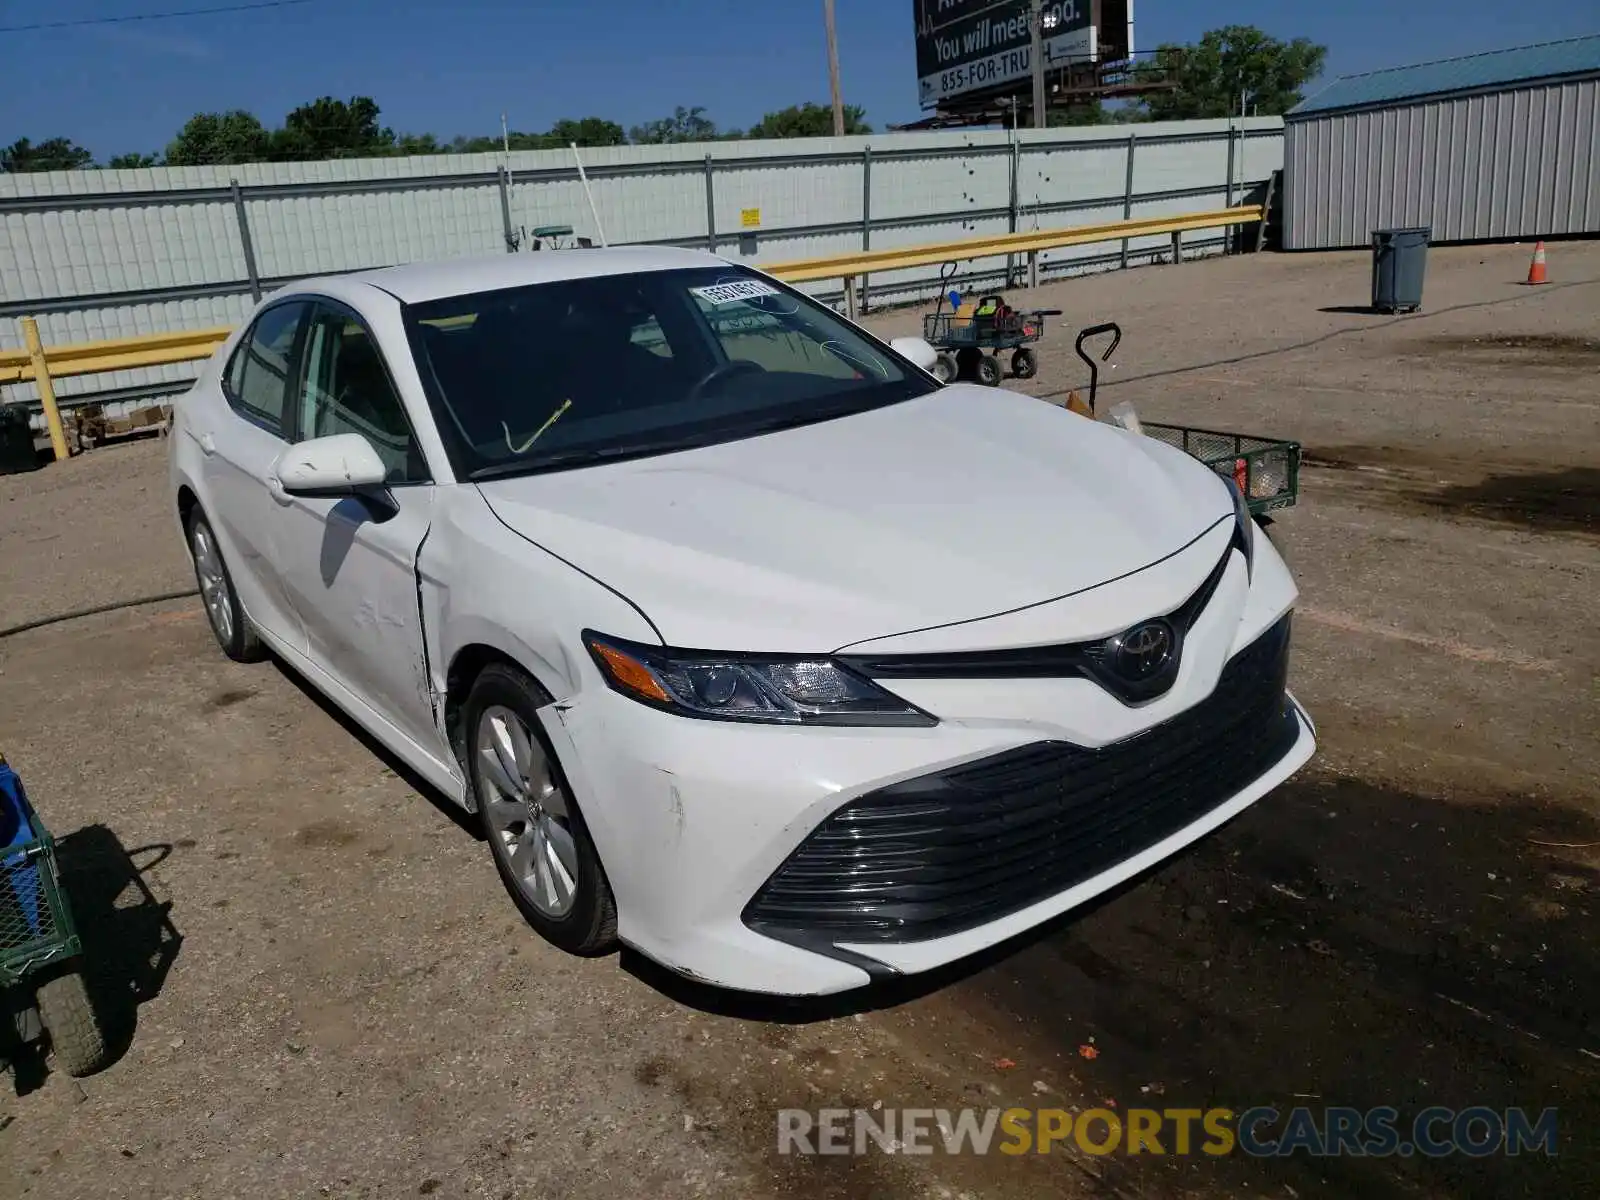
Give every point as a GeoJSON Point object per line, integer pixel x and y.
{"type": "Point", "coordinates": [42, 364]}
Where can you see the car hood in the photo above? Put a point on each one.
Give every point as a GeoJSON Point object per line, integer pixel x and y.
{"type": "Point", "coordinates": [952, 507]}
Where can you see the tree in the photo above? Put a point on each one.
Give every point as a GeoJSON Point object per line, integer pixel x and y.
{"type": "Point", "coordinates": [684, 125]}
{"type": "Point", "coordinates": [588, 131]}
{"type": "Point", "coordinates": [1089, 113]}
{"type": "Point", "coordinates": [209, 139]}
{"type": "Point", "coordinates": [808, 120]}
{"type": "Point", "coordinates": [134, 159]}
{"type": "Point", "coordinates": [328, 128]}
{"type": "Point", "coordinates": [418, 143]}
{"type": "Point", "coordinates": [52, 154]}
{"type": "Point", "coordinates": [1237, 59]}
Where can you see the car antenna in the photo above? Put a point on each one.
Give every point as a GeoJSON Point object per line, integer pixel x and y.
{"type": "Point", "coordinates": [593, 211]}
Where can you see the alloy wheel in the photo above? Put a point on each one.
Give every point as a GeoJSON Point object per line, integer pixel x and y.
{"type": "Point", "coordinates": [214, 587]}
{"type": "Point", "coordinates": [526, 812]}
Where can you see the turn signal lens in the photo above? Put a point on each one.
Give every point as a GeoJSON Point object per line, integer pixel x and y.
{"type": "Point", "coordinates": [629, 674]}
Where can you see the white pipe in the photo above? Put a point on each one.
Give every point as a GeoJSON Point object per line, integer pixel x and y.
{"type": "Point", "coordinates": [593, 211]}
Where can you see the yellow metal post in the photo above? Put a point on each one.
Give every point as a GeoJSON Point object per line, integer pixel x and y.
{"type": "Point", "coordinates": [47, 393]}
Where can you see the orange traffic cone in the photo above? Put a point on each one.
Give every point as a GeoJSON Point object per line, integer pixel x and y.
{"type": "Point", "coordinates": [1536, 272]}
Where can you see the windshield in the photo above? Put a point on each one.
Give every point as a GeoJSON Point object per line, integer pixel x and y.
{"type": "Point", "coordinates": [579, 371]}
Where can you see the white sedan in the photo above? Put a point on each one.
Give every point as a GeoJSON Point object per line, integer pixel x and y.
{"type": "Point", "coordinates": [751, 645]}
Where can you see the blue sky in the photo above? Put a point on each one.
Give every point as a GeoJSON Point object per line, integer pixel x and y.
{"type": "Point", "coordinates": [126, 87]}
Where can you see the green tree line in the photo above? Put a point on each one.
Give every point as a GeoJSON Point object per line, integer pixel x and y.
{"type": "Point", "coordinates": [329, 128]}
{"type": "Point", "coordinates": [1207, 79]}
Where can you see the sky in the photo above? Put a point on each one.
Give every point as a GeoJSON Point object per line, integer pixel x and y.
{"type": "Point", "coordinates": [453, 66]}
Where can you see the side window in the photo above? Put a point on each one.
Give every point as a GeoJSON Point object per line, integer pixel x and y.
{"type": "Point", "coordinates": [344, 388]}
{"type": "Point", "coordinates": [258, 376]}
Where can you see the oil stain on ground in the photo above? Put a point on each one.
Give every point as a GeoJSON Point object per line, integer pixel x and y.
{"type": "Point", "coordinates": [1518, 349]}
{"type": "Point", "coordinates": [1341, 944]}
{"type": "Point", "coordinates": [1559, 501]}
{"type": "Point", "coordinates": [230, 697]}
{"type": "Point", "coordinates": [1563, 500]}
{"type": "Point", "coordinates": [326, 833]}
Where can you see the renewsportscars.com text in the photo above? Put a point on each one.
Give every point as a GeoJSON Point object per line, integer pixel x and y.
{"type": "Point", "coordinates": [1259, 1132]}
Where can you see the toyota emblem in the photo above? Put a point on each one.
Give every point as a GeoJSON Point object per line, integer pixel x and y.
{"type": "Point", "coordinates": [1144, 651]}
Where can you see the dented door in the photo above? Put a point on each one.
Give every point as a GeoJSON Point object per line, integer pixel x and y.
{"type": "Point", "coordinates": [349, 564]}
{"type": "Point", "coordinates": [350, 570]}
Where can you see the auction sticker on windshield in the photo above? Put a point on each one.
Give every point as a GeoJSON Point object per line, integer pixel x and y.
{"type": "Point", "coordinates": [729, 293]}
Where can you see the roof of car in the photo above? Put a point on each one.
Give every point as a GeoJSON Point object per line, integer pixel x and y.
{"type": "Point", "coordinates": [416, 282]}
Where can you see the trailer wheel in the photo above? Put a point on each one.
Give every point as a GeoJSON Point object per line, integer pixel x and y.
{"type": "Point", "coordinates": [74, 1027]}
{"type": "Point", "coordinates": [989, 371]}
{"type": "Point", "coordinates": [1024, 363]}
{"type": "Point", "coordinates": [944, 368]}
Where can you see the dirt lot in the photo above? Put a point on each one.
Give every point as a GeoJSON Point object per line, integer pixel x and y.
{"type": "Point", "coordinates": [323, 992]}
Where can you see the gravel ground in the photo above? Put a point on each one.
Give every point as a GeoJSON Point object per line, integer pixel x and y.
{"type": "Point", "coordinates": [320, 990]}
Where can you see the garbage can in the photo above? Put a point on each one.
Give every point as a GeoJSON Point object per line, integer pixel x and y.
{"type": "Point", "coordinates": [1399, 260]}
{"type": "Point", "coordinates": [16, 440]}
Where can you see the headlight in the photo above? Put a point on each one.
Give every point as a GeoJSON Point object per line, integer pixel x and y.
{"type": "Point", "coordinates": [1244, 526]}
{"type": "Point", "coordinates": [772, 689]}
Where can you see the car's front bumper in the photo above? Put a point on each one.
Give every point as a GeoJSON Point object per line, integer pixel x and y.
{"type": "Point", "coordinates": [806, 861]}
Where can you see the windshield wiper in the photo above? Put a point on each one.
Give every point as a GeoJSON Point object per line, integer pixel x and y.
{"type": "Point", "coordinates": [574, 458]}
{"type": "Point", "coordinates": [811, 416]}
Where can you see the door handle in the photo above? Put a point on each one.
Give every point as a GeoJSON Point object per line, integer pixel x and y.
{"type": "Point", "coordinates": [208, 443]}
{"type": "Point", "coordinates": [275, 487]}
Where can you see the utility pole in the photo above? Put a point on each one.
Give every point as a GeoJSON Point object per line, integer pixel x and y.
{"type": "Point", "coordinates": [833, 68]}
{"type": "Point", "coordinates": [1036, 58]}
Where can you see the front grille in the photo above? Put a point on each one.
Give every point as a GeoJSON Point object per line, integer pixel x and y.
{"type": "Point", "coordinates": [946, 852]}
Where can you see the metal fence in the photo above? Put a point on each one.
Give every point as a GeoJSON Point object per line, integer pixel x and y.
{"type": "Point", "coordinates": [118, 253]}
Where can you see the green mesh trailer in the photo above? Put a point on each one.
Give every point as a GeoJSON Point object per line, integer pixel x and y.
{"type": "Point", "coordinates": [1265, 470]}
{"type": "Point", "coordinates": [42, 987]}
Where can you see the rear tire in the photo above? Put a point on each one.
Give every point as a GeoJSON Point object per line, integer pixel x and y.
{"type": "Point", "coordinates": [229, 625]}
{"type": "Point", "coordinates": [989, 371]}
{"type": "Point", "coordinates": [540, 844]}
{"type": "Point", "coordinates": [944, 368]}
{"type": "Point", "coordinates": [69, 1017]}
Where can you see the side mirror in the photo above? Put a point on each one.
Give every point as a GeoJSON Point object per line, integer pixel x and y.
{"type": "Point", "coordinates": [917, 350]}
{"type": "Point", "coordinates": [342, 464]}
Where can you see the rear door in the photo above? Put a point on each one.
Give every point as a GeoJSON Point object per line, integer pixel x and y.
{"type": "Point", "coordinates": [239, 443]}
{"type": "Point", "coordinates": [350, 564]}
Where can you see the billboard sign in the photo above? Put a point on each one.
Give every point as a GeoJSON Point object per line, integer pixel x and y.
{"type": "Point", "coordinates": [982, 45]}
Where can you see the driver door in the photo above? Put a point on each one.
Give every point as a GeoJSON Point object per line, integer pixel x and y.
{"type": "Point", "coordinates": [349, 564]}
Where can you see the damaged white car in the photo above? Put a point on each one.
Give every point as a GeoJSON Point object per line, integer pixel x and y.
{"type": "Point", "coordinates": [751, 645]}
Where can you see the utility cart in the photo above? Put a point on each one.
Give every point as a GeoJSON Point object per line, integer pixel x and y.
{"type": "Point", "coordinates": [42, 988]}
{"type": "Point", "coordinates": [1266, 470]}
{"type": "Point", "coordinates": [970, 346]}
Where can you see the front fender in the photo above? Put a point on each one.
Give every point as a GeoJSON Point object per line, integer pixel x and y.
{"type": "Point", "coordinates": [482, 585]}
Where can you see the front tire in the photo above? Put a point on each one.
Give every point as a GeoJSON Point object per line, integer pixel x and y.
{"type": "Point", "coordinates": [229, 625]}
{"type": "Point", "coordinates": [540, 844]}
{"type": "Point", "coordinates": [1024, 363]}
{"type": "Point", "coordinates": [944, 368]}
{"type": "Point", "coordinates": [989, 371]}
{"type": "Point", "coordinates": [69, 1016]}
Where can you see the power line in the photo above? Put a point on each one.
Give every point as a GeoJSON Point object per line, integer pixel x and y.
{"type": "Point", "coordinates": [155, 16]}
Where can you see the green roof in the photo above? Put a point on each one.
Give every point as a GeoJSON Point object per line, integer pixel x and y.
{"type": "Point", "coordinates": [1475, 72]}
